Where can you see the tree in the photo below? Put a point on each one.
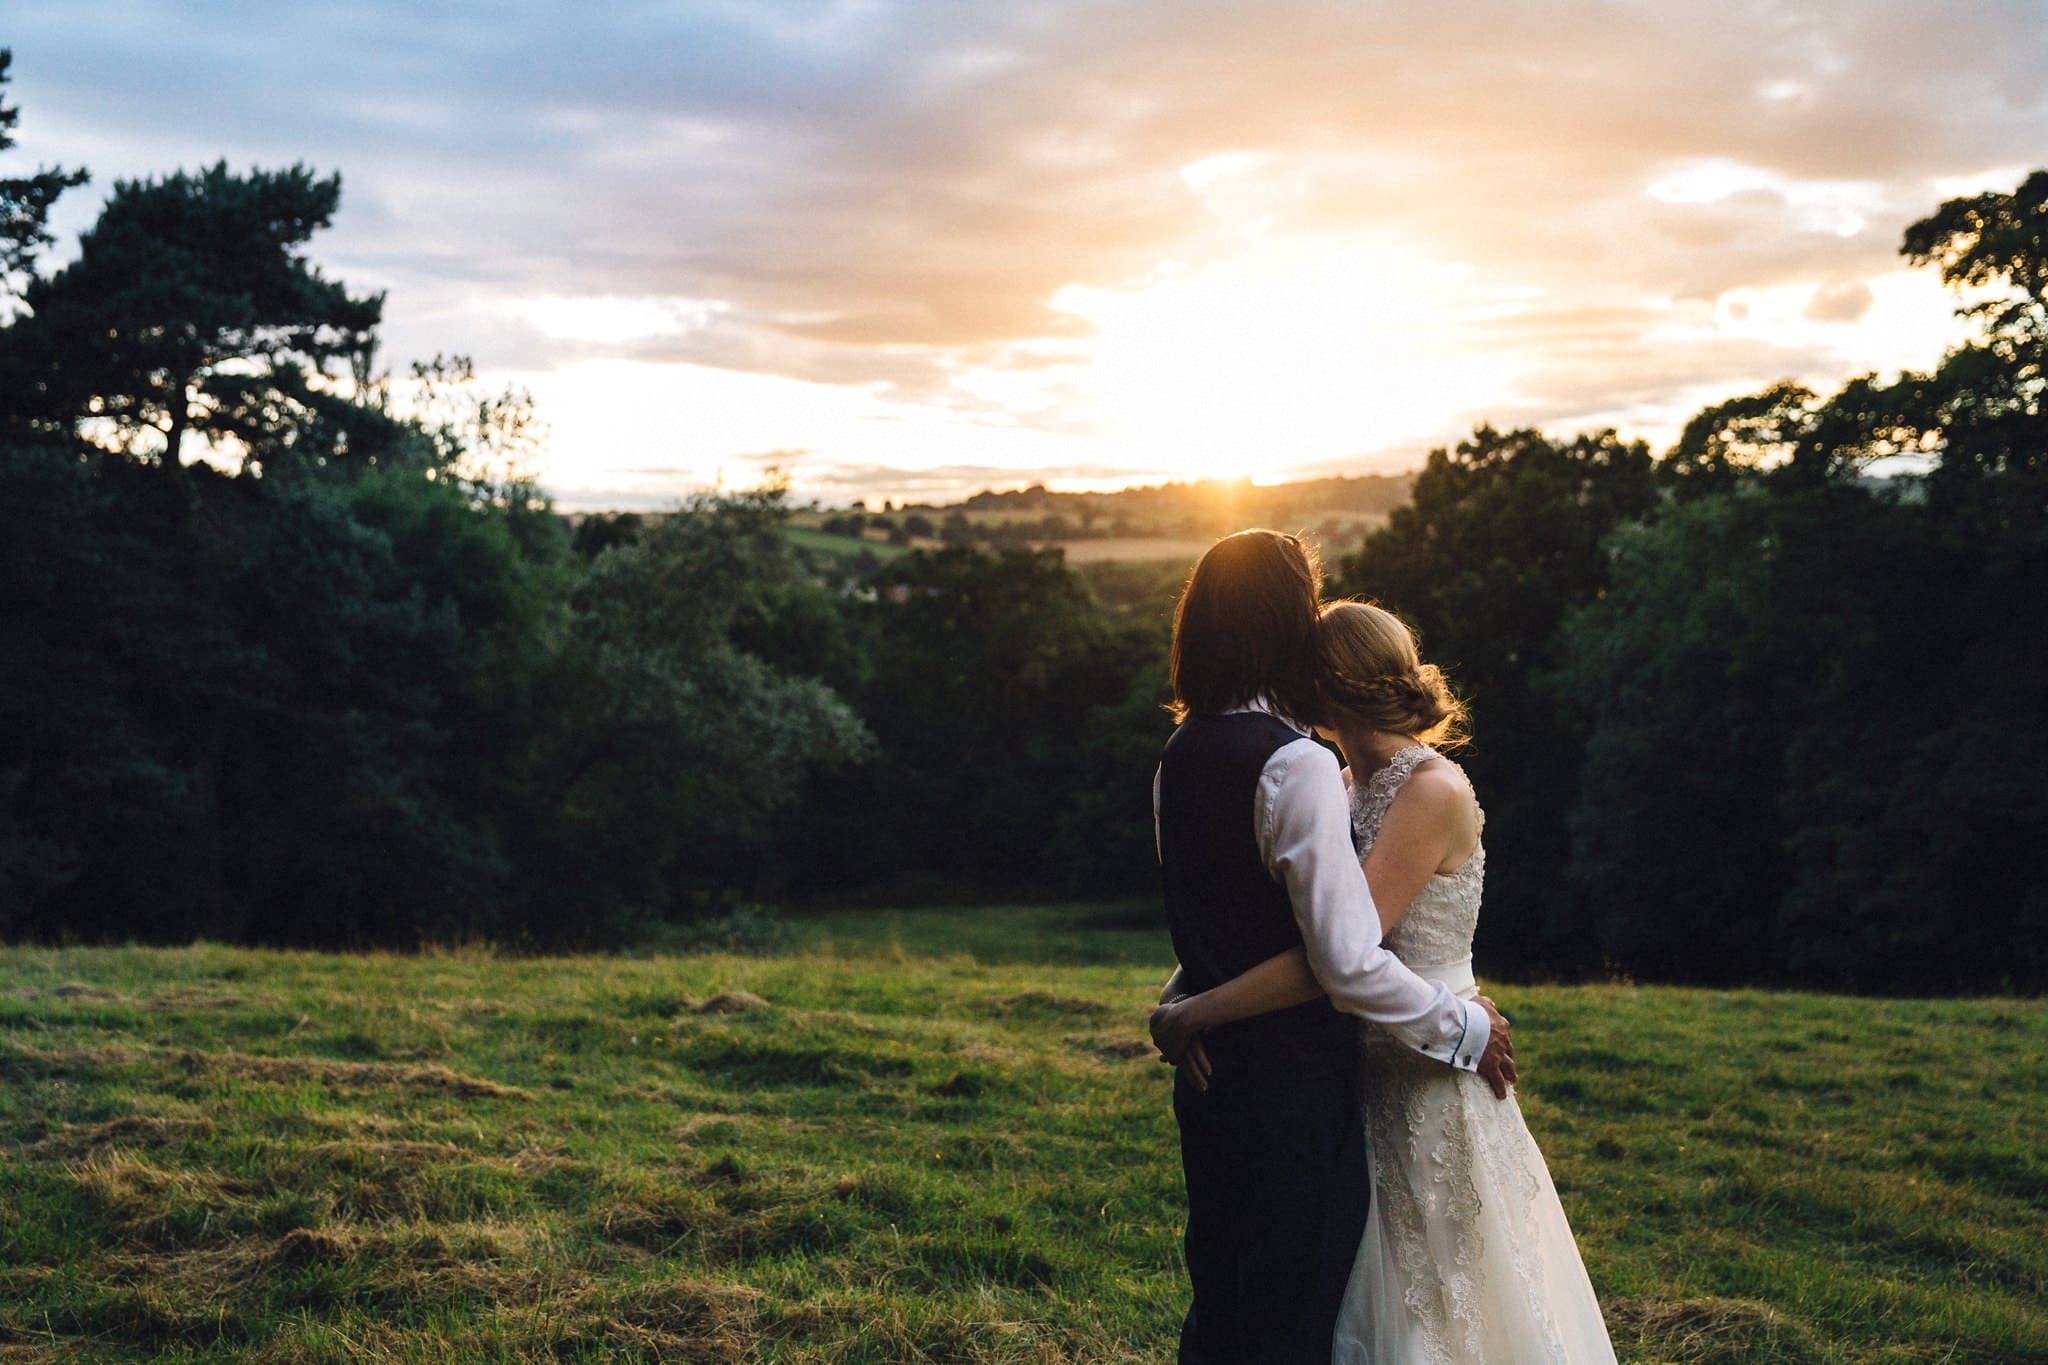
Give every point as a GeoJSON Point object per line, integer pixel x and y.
{"type": "Point", "coordinates": [1815, 737]}
{"type": "Point", "coordinates": [1731, 441]}
{"type": "Point", "coordinates": [487, 439]}
{"type": "Point", "coordinates": [363, 690]}
{"type": "Point", "coordinates": [983, 673]}
{"type": "Point", "coordinates": [1814, 750]}
{"type": "Point", "coordinates": [1994, 240]}
{"type": "Point", "coordinates": [668, 748]}
{"type": "Point", "coordinates": [1684, 677]}
{"type": "Point", "coordinates": [1989, 393]}
{"type": "Point", "coordinates": [232, 725]}
{"type": "Point", "coordinates": [25, 201]}
{"type": "Point", "coordinates": [1984, 409]}
{"type": "Point", "coordinates": [192, 309]}
{"type": "Point", "coordinates": [597, 532]}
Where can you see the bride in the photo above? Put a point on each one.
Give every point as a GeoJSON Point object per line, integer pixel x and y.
{"type": "Point", "coordinates": [1466, 1256]}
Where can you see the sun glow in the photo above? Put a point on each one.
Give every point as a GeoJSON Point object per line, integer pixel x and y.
{"type": "Point", "coordinates": [1262, 349]}
{"type": "Point", "coordinates": [1279, 360]}
{"type": "Point", "coordinates": [1284, 359]}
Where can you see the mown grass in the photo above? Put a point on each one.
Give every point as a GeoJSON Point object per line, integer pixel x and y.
{"type": "Point", "coordinates": [921, 1136]}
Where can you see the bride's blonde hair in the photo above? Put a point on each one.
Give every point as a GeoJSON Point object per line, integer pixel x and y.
{"type": "Point", "coordinates": [1372, 670]}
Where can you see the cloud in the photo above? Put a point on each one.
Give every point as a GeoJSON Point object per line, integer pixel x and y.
{"type": "Point", "coordinates": [1840, 301]}
{"type": "Point", "coordinates": [898, 196]}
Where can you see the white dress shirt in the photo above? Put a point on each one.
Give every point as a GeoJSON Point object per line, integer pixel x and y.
{"type": "Point", "coordinates": [1302, 820]}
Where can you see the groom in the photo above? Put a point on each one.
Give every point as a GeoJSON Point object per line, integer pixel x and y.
{"type": "Point", "coordinates": [1255, 849]}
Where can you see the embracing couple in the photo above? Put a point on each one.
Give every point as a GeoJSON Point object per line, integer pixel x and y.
{"type": "Point", "coordinates": [1360, 1184]}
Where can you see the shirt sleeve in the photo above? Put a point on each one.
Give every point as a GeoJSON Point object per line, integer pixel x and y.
{"type": "Point", "coordinates": [1304, 833]}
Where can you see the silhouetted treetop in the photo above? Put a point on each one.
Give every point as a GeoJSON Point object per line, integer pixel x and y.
{"type": "Point", "coordinates": [1995, 238]}
{"type": "Point", "coordinates": [192, 308]}
{"type": "Point", "coordinates": [25, 200]}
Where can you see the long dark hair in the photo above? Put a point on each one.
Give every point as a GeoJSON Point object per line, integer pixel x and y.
{"type": "Point", "coordinates": [1246, 627]}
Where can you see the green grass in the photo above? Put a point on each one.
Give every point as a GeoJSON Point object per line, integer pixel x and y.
{"type": "Point", "coordinates": [841, 547]}
{"type": "Point", "coordinates": [937, 1139]}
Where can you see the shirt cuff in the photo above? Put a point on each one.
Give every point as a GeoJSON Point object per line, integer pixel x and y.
{"type": "Point", "coordinates": [1464, 1051]}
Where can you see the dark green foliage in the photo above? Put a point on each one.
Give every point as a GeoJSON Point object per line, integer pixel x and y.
{"type": "Point", "coordinates": [370, 695]}
{"type": "Point", "coordinates": [599, 531]}
{"type": "Point", "coordinates": [1817, 740]}
{"type": "Point", "coordinates": [671, 747]}
{"type": "Point", "coordinates": [1674, 838]}
{"type": "Point", "coordinates": [1818, 729]}
{"type": "Point", "coordinates": [230, 725]}
{"type": "Point", "coordinates": [1018, 724]}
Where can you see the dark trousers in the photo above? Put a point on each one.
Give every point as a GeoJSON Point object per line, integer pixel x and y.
{"type": "Point", "coordinates": [1274, 1156]}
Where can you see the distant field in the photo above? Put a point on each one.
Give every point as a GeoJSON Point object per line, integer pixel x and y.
{"type": "Point", "coordinates": [1134, 548]}
{"type": "Point", "coordinates": [842, 546]}
{"type": "Point", "coordinates": [1106, 549]}
{"type": "Point", "coordinates": [920, 1135]}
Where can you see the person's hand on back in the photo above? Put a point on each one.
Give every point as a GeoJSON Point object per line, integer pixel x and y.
{"type": "Point", "coordinates": [1497, 1063]}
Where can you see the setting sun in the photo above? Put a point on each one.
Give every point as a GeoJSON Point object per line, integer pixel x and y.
{"type": "Point", "coordinates": [1282, 359]}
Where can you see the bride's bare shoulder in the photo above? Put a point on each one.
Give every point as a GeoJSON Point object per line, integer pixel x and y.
{"type": "Point", "coordinates": [1434, 782]}
{"type": "Point", "coordinates": [1438, 784]}
{"type": "Point", "coordinates": [1438, 769]}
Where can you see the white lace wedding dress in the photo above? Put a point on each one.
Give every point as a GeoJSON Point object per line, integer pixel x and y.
{"type": "Point", "coordinates": [1466, 1257]}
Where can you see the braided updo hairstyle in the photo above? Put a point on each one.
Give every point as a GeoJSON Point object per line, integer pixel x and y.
{"type": "Point", "coordinates": [1372, 671]}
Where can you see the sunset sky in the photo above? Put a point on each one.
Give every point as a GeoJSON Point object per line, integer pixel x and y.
{"type": "Point", "coordinates": [914, 249]}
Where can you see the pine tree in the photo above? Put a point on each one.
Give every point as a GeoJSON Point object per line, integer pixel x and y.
{"type": "Point", "coordinates": [192, 310]}
{"type": "Point", "coordinates": [25, 200]}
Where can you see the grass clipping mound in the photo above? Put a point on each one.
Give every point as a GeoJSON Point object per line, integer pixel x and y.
{"type": "Point", "coordinates": [1710, 1331]}
{"type": "Point", "coordinates": [351, 1075]}
{"type": "Point", "coordinates": [679, 1319]}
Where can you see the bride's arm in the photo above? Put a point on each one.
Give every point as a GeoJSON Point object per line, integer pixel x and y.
{"type": "Point", "coordinates": [1279, 982]}
{"type": "Point", "coordinates": [1173, 987]}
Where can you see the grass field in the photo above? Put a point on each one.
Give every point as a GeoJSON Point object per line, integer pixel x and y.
{"type": "Point", "coordinates": [919, 1136]}
{"type": "Point", "coordinates": [840, 547]}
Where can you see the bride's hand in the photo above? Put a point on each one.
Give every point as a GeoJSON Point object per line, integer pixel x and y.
{"type": "Point", "coordinates": [1177, 1033]}
{"type": "Point", "coordinates": [1171, 1031]}
{"type": "Point", "coordinates": [1194, 1064]}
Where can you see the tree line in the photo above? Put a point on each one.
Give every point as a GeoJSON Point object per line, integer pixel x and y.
{"type": "Point", "coordinates": [291, 652]}
{"type": "Point", "coordinates": [1752, 712]}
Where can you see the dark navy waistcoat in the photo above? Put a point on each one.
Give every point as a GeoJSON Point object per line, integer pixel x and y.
{"type": "Point", "coordinates": [1226, 912]}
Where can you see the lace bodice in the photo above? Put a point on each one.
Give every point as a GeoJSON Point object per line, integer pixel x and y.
{"type": "Point", "coordinates": [1438, 927]}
